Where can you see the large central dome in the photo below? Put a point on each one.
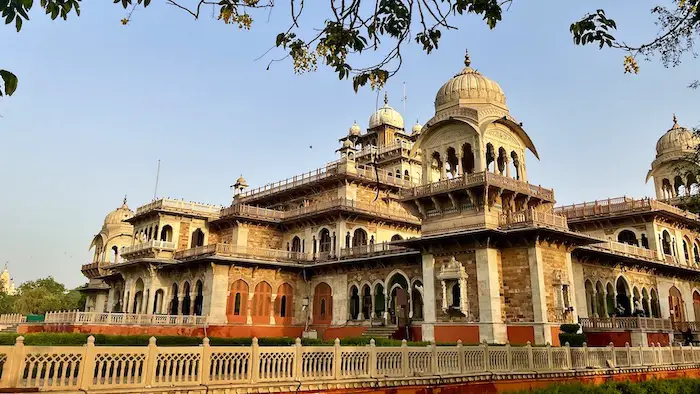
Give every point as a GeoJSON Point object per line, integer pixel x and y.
{"type": "Point", "coordinates": [469, 87]}
{"type": "Point", "coordinates": [676, 140]}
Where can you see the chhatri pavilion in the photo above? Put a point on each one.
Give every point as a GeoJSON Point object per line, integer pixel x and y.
{"type": "Point", "coordinates": [432, 232]}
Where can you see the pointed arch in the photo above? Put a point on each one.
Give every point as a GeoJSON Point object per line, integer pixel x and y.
{"type": "Point", "coordinates": [323, 304]}
{"type": "Point", "coordinates": [237, 302]}
{"type": "Point", "coordinates": [262, 300]}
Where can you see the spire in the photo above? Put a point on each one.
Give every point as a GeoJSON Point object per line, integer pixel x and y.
{"type": "Point", "coordinates": [124, 200]}
{"type": "Point", "coordinates": [675, 120]}
{"type": "Point", "coordinates": [467, 60]}
{"type": "Point", "coordinates": [386, 98]}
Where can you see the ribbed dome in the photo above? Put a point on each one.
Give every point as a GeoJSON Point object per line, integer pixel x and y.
{"type": "Point", "coordinates": [417, 128]}
{"type": "Point", "coordinates": [347, 144]}
{"type": "Point", "coordinates": [355, 129]}
{"type": "Point", "coordinates": [386, 116]}
{"type": "Point", "coordinates": [119, 215]}
{"type": "Point", "coordinates": [677, 139]}
{"type": "Point", "coordinates": [469, 85]}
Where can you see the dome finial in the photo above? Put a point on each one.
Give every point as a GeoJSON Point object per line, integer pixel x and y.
{"type": "Point", "coordinates": [675, 120]}
{"type": "Point", "coordinates": [467, 60]}
{"type": "Point", "coordinates": [124, 202]}
{"type": "Point", "coordinates": [386, 98]}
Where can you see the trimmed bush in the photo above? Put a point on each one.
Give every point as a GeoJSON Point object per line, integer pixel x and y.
{"type": "Point", "coordinates": [569, 328]}
{"type": "Point", "coordinates": [665, 386]}
{"type": "Point", "coordinates": [574, 340]}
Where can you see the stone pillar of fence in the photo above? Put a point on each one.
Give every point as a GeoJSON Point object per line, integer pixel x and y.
{"type": "Point", "coordinates": [372, 359]}
{"type": "Point", "coordinates": [404, 358]}
{"type": "Point", "coordinates": [586, 362]}
{"type": "Point", "coordinates": [337, 358]}
{"type": "Point", "coordinates": [568, 355]}
{"type": "Point", "coordinates": [87, 366]}
{"type": "Point", "coordinates": [509, 357]}
{"type": "Point", "coordinates": [206, 361]}
{"type": "Point", "coordinates": [460, 355]}
{"type": "Point", "coordinates": [611, 349]}
{"type": "Point", "coordinates": [254, 360]}
{"type": "Point", "coordinates": [530, 356]}
{"type": "Point", "coordinates": [434, 358]}
{"type": "Point", "coordinates": [14, 364]}
{"type": "Point", "coordinates": [150, 368]}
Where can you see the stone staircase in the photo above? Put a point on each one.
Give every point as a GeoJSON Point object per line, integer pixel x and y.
{"type": "Point", "coordinates": [9, 329]}
{"type": "Point", "coordinates": [380, 331]}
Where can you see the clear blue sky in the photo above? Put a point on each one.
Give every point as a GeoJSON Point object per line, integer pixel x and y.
{"type": "Point", "coordinates": [99, 103]}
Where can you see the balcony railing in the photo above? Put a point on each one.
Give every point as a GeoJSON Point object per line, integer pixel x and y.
{"type": "Point", "coordinates": [478, 178]}
{"type": "Point", "coordinates": [330, 170]}
{"type": "Point", "coordinates": [619, 205]}
{"type": "Point", "coordinates": [230, 250]}
{"type": "Point", "coordinates": [180, 206]}
{"type": "Point", "coordinates": [625, 323]}
{"type": "Point", "coordinates": [340, 203]}
{"type": "Point", "coordinates": [626, 249]}
{"type": "Point", "coordinates": [255, 368]}
{"type": "Point", "coordinates": [382, 248]}
{"type": "Point", "coordinates": [148, 245]}
{"type": "Point", "coordinates": [77, 317]}
{"type": "Point", "coordinates": [530, 217]}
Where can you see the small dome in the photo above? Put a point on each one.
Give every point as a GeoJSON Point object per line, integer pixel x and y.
{"type": "Point", "coordinates": [347, 144]}
{"type": "Point", "coordinates": [469, 85]}
{"type": "Point", "coordinates": [417, 128]}
{"type": "Point", "coordinates": [119, 215]}
{"type": "Point", "coordinates": [386, 116]}
{"type": "Point", "coordinates": [355, 129]}
{"type": "Point", "coordinates": [240, 182]}
{"type": "Point", "coordinates": [676, 139]}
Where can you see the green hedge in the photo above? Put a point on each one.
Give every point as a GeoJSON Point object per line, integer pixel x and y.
{"type": "Point", "coordinates": [569, 328]}
{"type": "Point", "coordinates": [665, 386]}
{"type": "Point", "coordinates": [75, 339]}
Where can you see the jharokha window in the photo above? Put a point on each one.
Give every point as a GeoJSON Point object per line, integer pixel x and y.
{"type": "Point", "coordinates": [323, 304]}
{"type": "Point", "coordinates": [261, 303]}
{"type": "Point", "coordinates": [237, 303]}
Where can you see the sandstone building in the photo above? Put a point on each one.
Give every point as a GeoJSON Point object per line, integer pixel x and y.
{"type": "Point", "coordinates": [433, 232]}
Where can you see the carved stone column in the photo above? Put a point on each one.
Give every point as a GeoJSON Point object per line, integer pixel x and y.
{"type": "Point", "coordinates": [272, 308]}
{"type": "Point", "coordinates": [249, 307]}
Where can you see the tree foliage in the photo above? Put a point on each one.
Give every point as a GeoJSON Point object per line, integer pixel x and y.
{"type": "Point", "coordinates": [353, 27]}
{"type": "Point", "coordinates": [40, 296]}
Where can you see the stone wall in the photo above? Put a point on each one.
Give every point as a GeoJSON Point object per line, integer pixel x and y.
{"type": "Point", "coordinates": [264, 237]}
{"type": "Point", "coordinates": [468, 260]}
{"type": "Point", "coordinates": [556, 273]}
{"type": "Point", "coordinates": [517, 285]}
{"type": "Point", "coordinates": [183, 238]}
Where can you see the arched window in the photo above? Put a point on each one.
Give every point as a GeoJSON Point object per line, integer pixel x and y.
{"type": "Point", "coordinates": [237, 309]}
{"type": "Point", "coordinates": [436, 164]}
{"type": "Point", "coordinates": [296, 244]}
{"type": "Point", "coordinates": [516, 165]}
{"type": "Point", "coordinates": [406, 175]}
{"type": "Point", "coordinates": [187, 299]}
{"type": "Point", "coordinates": [467, 159]}
{"type": "Point", "coordinates": [166, 234]}
{"type": "Point", "coordinates": [502, 160]}
{"type": "Point", "coordinates": [366, 302]}
{"type": "Point", "coordinates": [325, 241]}
{"type": "Point", "coordinates": [452, 162]}
{"type": "Point", "coordinates": [675, 303]}
{"type": "Point", "coordinates": [695, 253]}
{"type": "Point", "coordinates": [284, 309]}
{"type": "Point", "coordinates": [197, 238]}
{"type": "Point", "coordinates": [456, 296]}
{"type": "Point", "coordinates": [198, 298]}
{"type": "Point", "coordinates": [396, 237]}
{"type": "Point", "coordinates": [679, 186]}
{"type": "Point", "coordinates": [627, 237]}
{"type": "Point", "coordinates": [261, 303]}
{"type": "Point", "coordinates": [490, 157]}
{"type": "Point", "coordinates": [666, 242]}
{"type": "Point", "coordinates": [590, 299]}
{"type": "Point", "coordinates": [696, 305]}
{"type": "Point", "coordinates": [645, 241]}
{"type": "Point", "coordinates": [359, 237]}
{"type": "Point", "coordinates": [174, 300]}
{"type": "Point", "coordinates": [323, 304]}
{"type": "Point", "coordinates": [667, 189]}
{"type": "Point", "coordinates": [417, 300]}
{"type": "Point", "coordinates": [137, 306]}
{"type": "Point", "coordinates": [645, 303]}
{"type": "Point", "coordinates": [115, 254]}
{"type": "Point", "coordinates": [655, 307]}
{"type": "Point", "coordinates": [686, 253]}
{"type": "Point", "coordinates": [158, 301]}
{"type": "Point", "coordinates": [379, 300]}
{"type": "Point", "coordinates": [354, 303]}
{"type": "Point", "coordinates": [622, 307]}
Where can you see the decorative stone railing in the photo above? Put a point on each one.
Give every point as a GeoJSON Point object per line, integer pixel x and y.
{"type": "Point", "coordinates": [230, 250]}
{"type": "Point", "coordinates": [619, 205]}
{"type": "Point", "coordinates": [620, 248]}
{"type": "Point", "coordinates": [372, 250]}
{"type": "Point", "coordinates": [148, 245]}
{"type": "Point", "coordinates": [625, 323]}
{"type": "Point", "coordinates": [180, 206]}
{"type": "Point", "coordinates": [114, 318]}
{"type": "Point", "coordinates": [12, 318]}
{"type": "Point", "coordinates": [532, 217]}
{"type": "Point", "coordinates": [337, 203]}
{"type": "Point", "coordinates": [475, 179]}
{"type": "Point", "coordinates": [331, 169]}
{"type": "Point", "coordinates": [255, 368]}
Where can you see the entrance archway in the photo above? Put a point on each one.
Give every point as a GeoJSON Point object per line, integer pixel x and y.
{"type": "Point", "coordinates": [675, 304]}
{"type": "Point", "coordinates": [622, 300]}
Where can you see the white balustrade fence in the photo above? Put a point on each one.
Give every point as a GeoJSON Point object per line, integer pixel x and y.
{"type": "Point", "coordinates": [12, 318]}
{"type": "Point", "coordinates": [90, 367]}
{"type": "Point", "coordinates": [114, 318]}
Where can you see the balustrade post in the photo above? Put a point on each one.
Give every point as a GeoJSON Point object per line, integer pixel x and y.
{"type": "Point", "coordinates": [434, 358]}
{"type": "Point", "coordinates": [485, 346]}
{"type": "Point", "coordinates": [298, 358]}
{"type": "Point", "coordinates": [568, 355]}
{"type": "Point", "coordinates": [641, 355]}
{"type": "Point", "coordinates": [682, 360]}
{"type": "Point", "coordinates": [404, 358]}
{"type": "Point", "coordinates": [87, 367]}
{"type": "Point", "coordinates": [205, 375]}
{"type": "Point", "coordinates": [372, 359]}
{"type": "Point", "coordinates": [337, 357]}
{"type": "Point", "coordinates": [586, 363]}
{"type": "Point", "coordinates": [673, 361]}
{"type": "Point", "coordinates": [254, 360]}
{"type": "Point", "coordinates": [611, 348]}
{"type": "Point", "coordinates": [550, 361]}
{"type": "Point", "coordinates": [509, 357]}
{"type": "Point", "coordinates": [657, 353]}
{"type": "Point", "coordinates": [460, 355]}
{"type": "Point", "coordinates": [629, 354]}
{"type": "Point", "coordinates": [151, 359]}
{"type": "Point", "coordinates": [14, 365]}
{"type": "Point", "coordinates": [530, 356]}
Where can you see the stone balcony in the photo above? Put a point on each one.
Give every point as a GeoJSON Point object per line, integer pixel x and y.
{"type": "Point", "coordinates": [625, 323]}
{"type": "Point", "coordinates": [637, 253]}
{"type": "Point", "coordinates": [149, 249]}
{"type": "Point", "coordinates": [474, 180]}
{"type": "Point", "coordinates": [94, 270]}
{"type": "Point", "coordinates": [342, 204]}
{"type": "Point", "coordinates": [284, 256]}
{"type": "Point", "coordinates": [179, 207]}
{"type": "Point", "coordinates": [620, 206]}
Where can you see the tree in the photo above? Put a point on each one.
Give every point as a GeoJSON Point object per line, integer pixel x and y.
{"type": "Point", "coordinates": [352, 28]}
{"type": "Point", "coordinates": [44, 295]}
